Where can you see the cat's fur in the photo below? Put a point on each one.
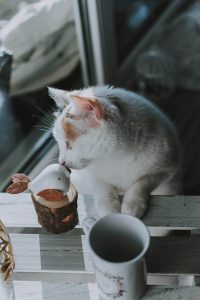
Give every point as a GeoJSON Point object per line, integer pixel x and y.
{"type": "Point", "coordinates": [116, 141]}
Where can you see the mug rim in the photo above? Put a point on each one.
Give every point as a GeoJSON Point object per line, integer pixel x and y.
{"type": "Point", "coordinates": [135, 259]}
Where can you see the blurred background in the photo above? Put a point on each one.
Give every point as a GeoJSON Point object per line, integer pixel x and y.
{"type": "Point", "coordinates": [149, 46]}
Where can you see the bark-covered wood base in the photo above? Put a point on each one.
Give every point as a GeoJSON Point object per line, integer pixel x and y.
{"type": "Point", "coordinates": [61, 219]}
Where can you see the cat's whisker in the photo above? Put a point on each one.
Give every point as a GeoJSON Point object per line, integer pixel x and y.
{"type": "Point", "coordinates": [47, 120]}
{"type": "Point", "coordinates": [53, 108]}
{"type": "Point", "coordinates": [54, 160]}
{"type": "Point", "coordinates": [95, 161]}
{"type": "Point", "coordinates": [45, 129]}
{"type": "Point", "coordinates": [37, 116]}
{"type": "Point", "coordinates": [42, 126]}
{"type": "Point", "coordinates": [46, 124]}
{"type": "Point", "coordinates": [47, 117]}
{"type": "Point", "coordinates": [40, 109]}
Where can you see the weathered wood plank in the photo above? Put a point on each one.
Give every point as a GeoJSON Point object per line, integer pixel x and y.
{"type": "Point", "coordinates": [174, 255]}
{"type": "Point", "coordinates": [25, 290]}
{"type": "Point", "coordinates": [18, 211]}
{"type": "Point", "coordinates": [176, 212]}
{"type": "Point", "coordinates": [65, 258]}
{"type": "Point", "coordinates": [48, 252]}
{"type": "Point", "coordinates": [166, 293]}
{"type": "Point", "coordinates": [64, 254]}
{"type": "Point", "coordinates": [54, 276]}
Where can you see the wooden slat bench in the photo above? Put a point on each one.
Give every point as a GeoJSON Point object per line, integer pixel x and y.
{"type": "Point", "coordinates": [59, 266]}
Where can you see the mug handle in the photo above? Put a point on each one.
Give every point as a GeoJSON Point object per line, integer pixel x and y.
{"type": "Point", "coordinates": [87, 223]}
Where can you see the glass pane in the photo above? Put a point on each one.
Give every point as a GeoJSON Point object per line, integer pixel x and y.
{"type": "Point", "coordinates": [42, 37]}
{"type": "Point", "coordinates": [167, 72]}
{"type": "Point", "coordinates": [132, 20]}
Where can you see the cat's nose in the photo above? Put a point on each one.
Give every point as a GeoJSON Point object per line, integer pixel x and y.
{"type": "Point", "coordinates": [62, 163]}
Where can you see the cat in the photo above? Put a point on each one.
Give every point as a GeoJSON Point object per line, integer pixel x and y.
{"type": "Point", "coordinates": [116, 142]}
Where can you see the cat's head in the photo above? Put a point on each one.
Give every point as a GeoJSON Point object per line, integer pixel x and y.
{"type": "Point", "coordinates": [81, 125]}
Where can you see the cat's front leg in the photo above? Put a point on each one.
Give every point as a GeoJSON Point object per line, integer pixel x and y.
{"type": "Point", "coordinates": [136, 198]}
{"type": "Point", "coordinates": [106, 199]}
{"type": "Point", "coordinates": [134, 204]}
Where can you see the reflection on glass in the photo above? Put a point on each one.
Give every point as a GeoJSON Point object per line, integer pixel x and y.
{"type": "Point", "coordinates": [167, 72]}
{"type": "Point", "coordinates": [155, 73]}
{"type": "Point", "coordinates": [133, 18]}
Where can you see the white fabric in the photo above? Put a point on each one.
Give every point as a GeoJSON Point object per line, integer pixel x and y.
{"type": "Point", "coordinates": [43, 40]}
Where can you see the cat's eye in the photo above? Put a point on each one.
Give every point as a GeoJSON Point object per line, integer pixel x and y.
{"type": "Point", "coordinates": [68, 145]}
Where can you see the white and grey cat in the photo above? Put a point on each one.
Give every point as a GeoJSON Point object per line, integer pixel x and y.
{"type": "Point", "coordinates": [116, 142]}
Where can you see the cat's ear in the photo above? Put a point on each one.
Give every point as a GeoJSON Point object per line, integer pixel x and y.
{"type": "Point", "coordinates": [59, 96]}
{"type": "Point", "coordinates": [90, 107]}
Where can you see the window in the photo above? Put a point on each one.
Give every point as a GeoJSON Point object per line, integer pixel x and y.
{"type": "Point", "coordinates": [42, 37]}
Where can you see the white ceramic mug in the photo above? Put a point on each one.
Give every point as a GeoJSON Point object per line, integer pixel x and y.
{"type": "Point", "coordinates": [118, 243]}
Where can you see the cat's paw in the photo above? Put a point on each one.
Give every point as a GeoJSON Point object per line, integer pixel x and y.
{"type": "Point", "coordinates": [136, 207]}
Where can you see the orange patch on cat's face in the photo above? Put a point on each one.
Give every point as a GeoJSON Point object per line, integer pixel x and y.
{"type": "Point", "coordinates": [69, 129]}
